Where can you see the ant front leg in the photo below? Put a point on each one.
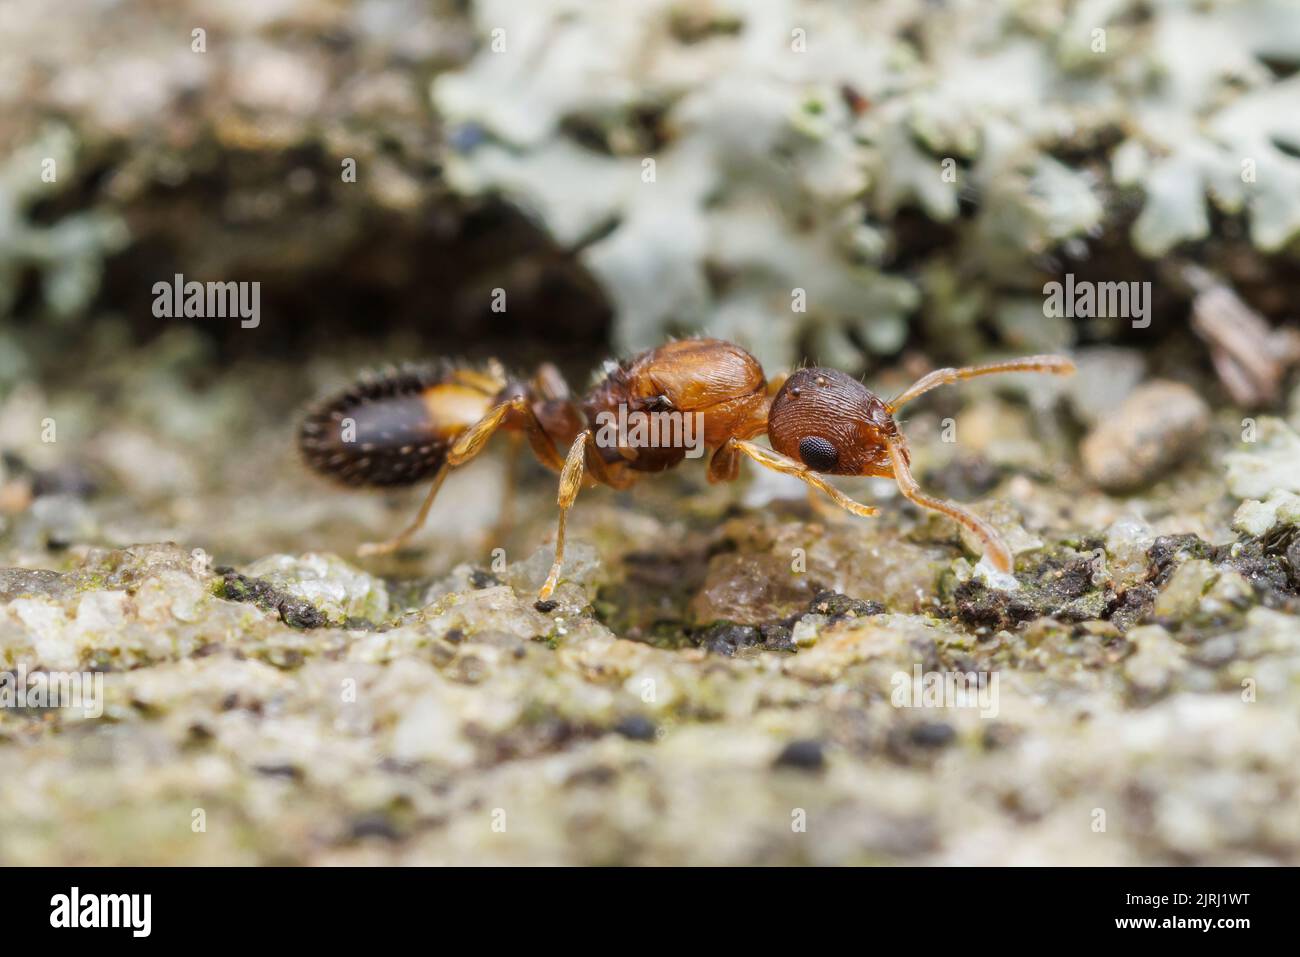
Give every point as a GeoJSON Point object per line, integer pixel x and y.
{"type": "Point", "coordinates": [777, 462]}
{"type": "Point", "coordinates": [725, 467]}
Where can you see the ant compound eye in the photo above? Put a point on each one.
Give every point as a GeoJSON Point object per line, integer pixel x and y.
{"type": "Point", "coordinates": [818, 453]}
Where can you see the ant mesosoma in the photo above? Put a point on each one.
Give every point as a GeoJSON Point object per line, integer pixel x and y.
{"type": "Point", "coordinates": [417, 424]}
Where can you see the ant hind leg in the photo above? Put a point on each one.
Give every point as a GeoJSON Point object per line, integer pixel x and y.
{"type": "Point", "coordinates": [472, 440]}
{"type": "Point", "coordinates": [470, 443]}
{"type": "Point", "coordinates": [397, 541]}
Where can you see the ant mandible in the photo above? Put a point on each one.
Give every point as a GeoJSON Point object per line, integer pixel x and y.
{"type": "Point", "coordinates": [414, 424]}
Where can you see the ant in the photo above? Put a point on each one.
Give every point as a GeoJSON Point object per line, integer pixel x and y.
{"type": "Point", "coordinates": [418, 423]}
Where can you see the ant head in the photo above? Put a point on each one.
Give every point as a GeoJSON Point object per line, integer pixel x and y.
{"type": "Point", "coordinates": [831, 423]}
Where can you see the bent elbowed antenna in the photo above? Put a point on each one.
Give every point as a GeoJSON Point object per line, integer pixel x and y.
{"type": "Point", "coordinates": [1056, 365]}
{"type": "Point", "coordinates": [994, 547]}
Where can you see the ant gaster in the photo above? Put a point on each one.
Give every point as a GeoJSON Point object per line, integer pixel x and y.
{"type": "Point", "coordinates": [417, 424]}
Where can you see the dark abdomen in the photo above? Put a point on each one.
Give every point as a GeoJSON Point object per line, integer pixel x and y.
{"type": "Point", "coordinates": [393, 429]}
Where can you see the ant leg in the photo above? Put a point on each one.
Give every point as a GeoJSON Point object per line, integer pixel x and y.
{"type": "Point", "coordinates": [1057, 365]}
{"type": "Point", "coordinates": [724, 466]}
{"type": "Point", "coordinates": [470, 444]}
{"type": "Point", "coordinates": [994, 547]}
{"type": "Point", "coordinates": [393, 544]}
{"type": "Point", "coordinates": [550, 383]}
{"type": "Point", "coordinates": [819, 508]}
{"type": "Point", "coordinates": [774, 384]}
{"type": "Point", "coordinates": [473, 439]}
{"type": "Point", "coordinates": [570, 482]}
{"type": "Point", "coordinates": [779, 463]}
{"type": "Point", "coordinates": [506, 516]}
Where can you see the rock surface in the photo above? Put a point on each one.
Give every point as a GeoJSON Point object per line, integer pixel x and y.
{"type": "Point", "coordinates": [1159, 424]}
{"type": "Point", "coordinates": [777, 686]}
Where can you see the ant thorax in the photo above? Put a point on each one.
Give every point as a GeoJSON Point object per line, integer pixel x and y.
{"type": "Point", "coordinates": [675, 402]}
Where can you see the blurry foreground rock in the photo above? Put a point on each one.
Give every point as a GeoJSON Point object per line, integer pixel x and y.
{"type": "Point", "coordinates": [1157, 426]}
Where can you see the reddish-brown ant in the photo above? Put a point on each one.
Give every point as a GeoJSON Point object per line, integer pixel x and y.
{"type": "Point", "coordinates": [417, 424]}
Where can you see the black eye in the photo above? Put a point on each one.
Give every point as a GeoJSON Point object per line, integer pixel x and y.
{"type": "Point", "coordinates": [818, 454]}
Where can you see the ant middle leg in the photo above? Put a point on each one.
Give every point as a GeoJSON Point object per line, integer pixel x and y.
{"type": "Point", "coordinates": [583, 461]}
{"type": "Point", "coordinates": [787, 466]}
{"type": "Point", "coordinates": [570, 483]}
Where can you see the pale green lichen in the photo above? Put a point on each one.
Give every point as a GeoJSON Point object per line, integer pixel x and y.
{"type": "Point", "coordinates": [1257, 518]}
{"type": "Point", "coordinates": [68, 255]}
{"type": "Point", "coordinates": [1269, 463]}
{"type": "Point", "coordinates": [1215, 124]}
{"type": "Point", "coordinates": [784, 146]}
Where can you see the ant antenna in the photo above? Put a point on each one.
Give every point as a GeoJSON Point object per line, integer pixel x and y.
{"type": "Point", "coordinates": [1057, 365]}
{"type": "Point", "coordinates": [994, 547]}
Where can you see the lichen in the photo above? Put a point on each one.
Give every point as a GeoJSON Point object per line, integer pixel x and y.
{"type": "Point", "coordinates": [720, 173]}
